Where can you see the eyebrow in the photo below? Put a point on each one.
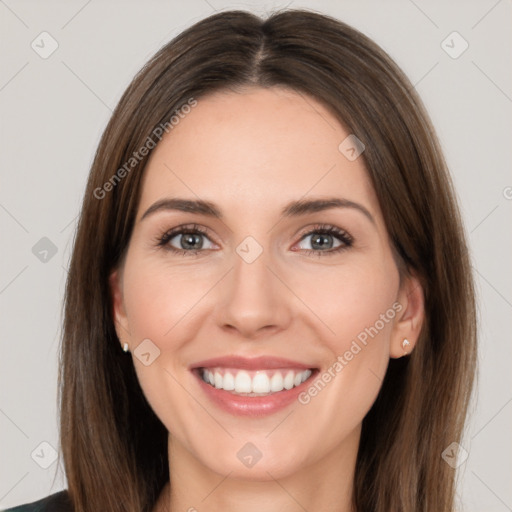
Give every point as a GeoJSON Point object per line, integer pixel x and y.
{"type": "Point", "coordinates": [292, 209]}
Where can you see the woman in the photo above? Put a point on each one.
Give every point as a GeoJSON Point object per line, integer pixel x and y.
{"type": "Point", "coordinates": [270, 304]}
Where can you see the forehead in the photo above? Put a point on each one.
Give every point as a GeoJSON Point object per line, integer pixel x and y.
{"type": "Point", "coordinates": [253, 149]}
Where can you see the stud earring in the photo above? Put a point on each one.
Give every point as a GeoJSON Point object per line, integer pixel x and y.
{"type": "Point", "coordinates": [405, 344]}
{"type": "Point", "coordinates": [125, 347]}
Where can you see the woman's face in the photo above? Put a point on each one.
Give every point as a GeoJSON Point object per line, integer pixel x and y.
{"type": "Point", "coordinates": [273, 290]}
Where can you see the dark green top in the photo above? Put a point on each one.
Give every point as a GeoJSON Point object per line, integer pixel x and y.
{"type": "Point", "coordinates": [58, 502]}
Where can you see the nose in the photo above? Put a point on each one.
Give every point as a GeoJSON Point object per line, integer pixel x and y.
{"type": "Point", "coordinates": [254, 299]}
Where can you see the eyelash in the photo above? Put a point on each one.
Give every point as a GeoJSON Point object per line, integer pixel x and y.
{"type": "Point", "coordinates": [323, 229]}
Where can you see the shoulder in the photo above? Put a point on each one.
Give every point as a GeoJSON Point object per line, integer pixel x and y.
{"type": "Point", "coordinates": [58, 502]}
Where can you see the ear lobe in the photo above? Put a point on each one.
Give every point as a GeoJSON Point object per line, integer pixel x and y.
{"type": "Point", "coordinates": [118, 311]}
{"type": "Point", "coordinates": [409, 320]}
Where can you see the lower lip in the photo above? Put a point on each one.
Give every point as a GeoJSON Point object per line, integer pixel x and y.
{"type": "Point", "coordinates": [239, 405]}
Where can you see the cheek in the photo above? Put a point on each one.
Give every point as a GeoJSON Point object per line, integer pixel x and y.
{"type": "Point", "coordinates": [161, 301]}
{"type": "Point", "coordinates": [358, 304]}
{"type": "Point", "coordinates": [354, 301]}
{"type": "Point", "coordinates": [348, 385]}
{"type": "Point", "coordinates": [159, 296]}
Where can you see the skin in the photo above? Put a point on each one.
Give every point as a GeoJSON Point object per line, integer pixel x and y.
{"type": "Point", "coordinates": [250, 153]}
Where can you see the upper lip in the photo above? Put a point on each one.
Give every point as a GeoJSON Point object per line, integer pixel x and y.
{"type": "Point", "coordinates": [254, 363]}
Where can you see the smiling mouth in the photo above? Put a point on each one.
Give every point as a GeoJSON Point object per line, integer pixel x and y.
{"type": "Point", "coordinates": [254, 383]}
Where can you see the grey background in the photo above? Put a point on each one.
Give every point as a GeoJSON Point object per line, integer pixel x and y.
{"type": "Point", "coordinates": [53, 111]}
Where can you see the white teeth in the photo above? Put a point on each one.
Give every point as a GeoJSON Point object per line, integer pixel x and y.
{"type": "Point", "coordinates": [276, 382]}
{"type": "Point", "coordinates": [288, 380]}
{"type": "Point", "coordinates": [261, 383]}
{"type": "Point", "coordinates": [243, 382]}
{"type": "Point", "coordinates": [240, 381]}
{"type": "Point", "coordinates": [229, 382]}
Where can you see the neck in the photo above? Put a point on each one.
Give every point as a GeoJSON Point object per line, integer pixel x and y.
{"type": "Point", "coordinates": [325, 485]}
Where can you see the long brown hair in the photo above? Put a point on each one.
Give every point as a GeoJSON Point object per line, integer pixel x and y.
{"type": "Point", "coordinates": [114, 447]}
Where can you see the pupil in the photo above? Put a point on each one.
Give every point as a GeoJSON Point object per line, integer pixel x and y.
{"type": "Point", "coordinates": [323, 241]}
{"type": "Point", "coordinates": [190, 241]}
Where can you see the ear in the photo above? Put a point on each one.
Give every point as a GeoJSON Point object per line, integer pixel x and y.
{"type": "Point", "coordinates": [409, 318]}
{"type": "Point", "coordinates": [118, 310]}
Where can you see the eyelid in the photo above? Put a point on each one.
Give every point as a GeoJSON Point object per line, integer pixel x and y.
{"type": "Point", "coordinates": [323, 227]}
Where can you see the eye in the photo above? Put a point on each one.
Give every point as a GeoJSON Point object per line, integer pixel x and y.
{"type": "Point", "coordinates": [185, 240]}
{"type": "Point", "coordinates": [190, 240]}
{"type": "Point", "coordinates": [327, 239]}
